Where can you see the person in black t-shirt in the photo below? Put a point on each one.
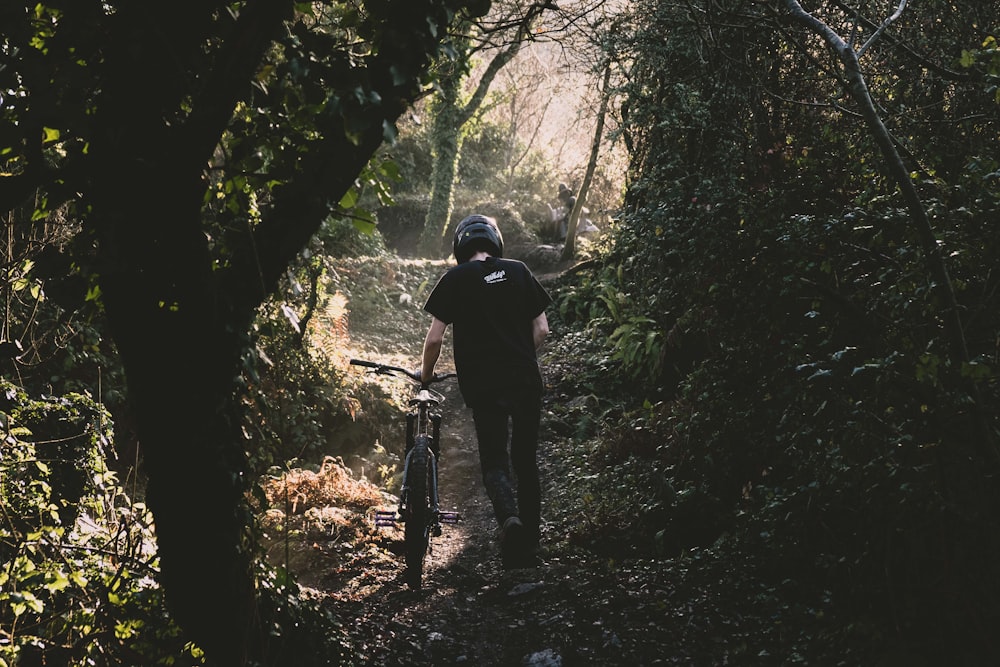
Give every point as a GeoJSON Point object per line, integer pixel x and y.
{"type": "Point", "coordinates": [497, 310]}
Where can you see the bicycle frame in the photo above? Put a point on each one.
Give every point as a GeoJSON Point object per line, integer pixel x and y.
{"type": "Point", "coordinates": [418, 509]}
{"type": "Point", "coordinates": [423, 424]}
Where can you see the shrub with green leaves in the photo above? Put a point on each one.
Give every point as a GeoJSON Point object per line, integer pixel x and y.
{"type": "Point", "coordinates": [79, 582]}
{"type": "Point", "coordinates": [78, 585]}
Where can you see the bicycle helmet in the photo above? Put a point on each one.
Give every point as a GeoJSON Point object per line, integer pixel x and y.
{"type": "Point", "coordinates": [477, 232]}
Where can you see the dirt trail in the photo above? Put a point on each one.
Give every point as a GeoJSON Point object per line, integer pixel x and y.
{"type": "Point", "coordinates": [575, 609]}
{"type": "Point", "coordinates": [469, 609]}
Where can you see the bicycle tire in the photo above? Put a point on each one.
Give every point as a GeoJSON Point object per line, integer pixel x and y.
{"type": "Point", "coordinates": [417, 512]}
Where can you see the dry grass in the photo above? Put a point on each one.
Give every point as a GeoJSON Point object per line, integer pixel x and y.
{"type": "Point", "coordinates": [334, 485]}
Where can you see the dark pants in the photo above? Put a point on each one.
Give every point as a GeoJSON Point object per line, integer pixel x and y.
{"type": "Point", "coordinates": [515, 421]}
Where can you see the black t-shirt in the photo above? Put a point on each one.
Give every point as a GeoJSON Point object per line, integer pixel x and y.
{"type": "Point", "coordinates": [491, 305]}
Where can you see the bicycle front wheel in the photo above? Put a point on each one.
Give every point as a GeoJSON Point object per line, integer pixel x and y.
{"type": "Point", "coordinates": [417, 514]}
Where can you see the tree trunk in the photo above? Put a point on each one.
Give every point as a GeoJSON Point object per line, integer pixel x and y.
{"type": "Point", "coordinates": [897, 169]}
{"type": "Point", "coordinates": [446, 146]}
{"type": "Point", "coordinates": [449, 119]}
{"type": "Point", "coordinates": [569, 249]}
{"type": "Point", "coordinates": [180, 323]}
{"type": "Point", "coordinates": [179, 348]}
{"type": "Point", "coordinates": [179, 343]}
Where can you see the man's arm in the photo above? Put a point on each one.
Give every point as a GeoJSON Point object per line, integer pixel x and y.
{"type": "Point", "coordinates": [539, 329]}
{"type": "Point", "coordinates": [432, 348]}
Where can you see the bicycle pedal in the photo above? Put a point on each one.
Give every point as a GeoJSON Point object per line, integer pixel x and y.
{"type": "Point", "coordinates": [450, 518]}
{"type": "Point", "coordinates": [385, 518]}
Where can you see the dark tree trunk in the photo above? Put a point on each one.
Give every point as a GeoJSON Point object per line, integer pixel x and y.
{"type": "Point", "coordinates": [180, 323]}
{"type": "Point", "coordinates": [179, 343]}
{"type": "Point", "coordinates": [178, 335]}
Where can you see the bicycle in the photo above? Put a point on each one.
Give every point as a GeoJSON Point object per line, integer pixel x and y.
{"type": "Point", "coordinates": [418, 508]}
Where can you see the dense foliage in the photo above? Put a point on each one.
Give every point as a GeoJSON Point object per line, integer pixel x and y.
{"type": "Point", "coordinates": [807, 428]}
{"type": "Point", "coordinates": [192, 149]}
{"type": "Point", "coordinates": [58, 603]}
{"type": "Point", "coordinates": [758, 354]}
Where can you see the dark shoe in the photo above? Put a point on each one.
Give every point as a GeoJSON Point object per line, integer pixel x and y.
{"type": "Point", "coordinates": [514, 548]}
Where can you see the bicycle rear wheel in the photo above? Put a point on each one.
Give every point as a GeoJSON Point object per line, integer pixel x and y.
{"type": "Point", "coordinates": [417, 513]}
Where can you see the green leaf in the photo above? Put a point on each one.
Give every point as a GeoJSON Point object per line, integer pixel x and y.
{"type": "Point", "coordinates": [24, 601]}
{"type": "Point", "coordinates": [58, 582]}
{"type": "Point", "coordinates": [364, 222]}
{"type": "Point", "coordinates": [976, 371]}
{"type": "Point", "coordinates": [350, 199]}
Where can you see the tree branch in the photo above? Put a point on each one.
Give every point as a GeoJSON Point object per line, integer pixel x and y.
{"type": "Point", "coordinates": [253, 31]}
{"type": "Point", "coordinates": [885, 24]}
{"type": "Point", "coordinates": [501, 59]}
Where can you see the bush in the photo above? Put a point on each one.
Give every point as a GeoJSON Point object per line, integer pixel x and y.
{"type": "Point", "coordinates": [78, 585]}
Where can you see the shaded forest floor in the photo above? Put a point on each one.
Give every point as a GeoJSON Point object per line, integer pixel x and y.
{"type": "Point", "coordinates": [595, 600]}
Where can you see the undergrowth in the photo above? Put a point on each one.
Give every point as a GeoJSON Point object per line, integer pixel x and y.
{"type": "Point", "coordinates": [821, 473]}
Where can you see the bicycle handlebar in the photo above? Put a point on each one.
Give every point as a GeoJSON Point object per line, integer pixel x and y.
{"type": "Point", "coordinates": [384, 369]}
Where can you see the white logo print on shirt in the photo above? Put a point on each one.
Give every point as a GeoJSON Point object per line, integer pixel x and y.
{"type": "Point", "coordinates": [496, 277]}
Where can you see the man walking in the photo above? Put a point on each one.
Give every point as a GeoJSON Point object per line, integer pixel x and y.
{"type": "Point", "coordinates": [497, 310]}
